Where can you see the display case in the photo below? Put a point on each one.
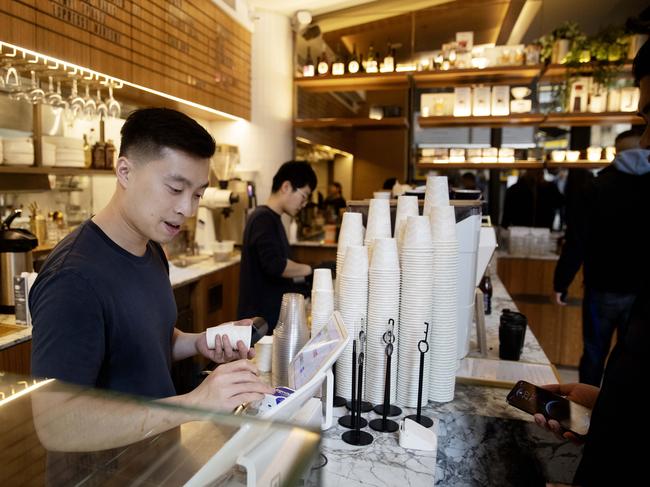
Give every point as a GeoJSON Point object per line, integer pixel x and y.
{"type": "Point", "coordinates": [53, 433]}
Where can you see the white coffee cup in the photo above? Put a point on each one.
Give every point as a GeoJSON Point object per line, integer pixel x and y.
{"type": "Point", "coordinates": [234, 332]}
{"type": "Point", "coordinates": [264, 353]}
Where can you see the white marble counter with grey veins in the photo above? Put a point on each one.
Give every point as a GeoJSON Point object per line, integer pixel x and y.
{"type": "Point", "coordinates": [481, 439]}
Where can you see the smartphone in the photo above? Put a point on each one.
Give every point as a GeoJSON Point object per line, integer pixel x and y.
{"type": "Point", "coordinates": [533, 399]}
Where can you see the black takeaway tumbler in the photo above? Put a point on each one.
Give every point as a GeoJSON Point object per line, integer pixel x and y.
{"type": "Point", "coordinates": [512, 331]}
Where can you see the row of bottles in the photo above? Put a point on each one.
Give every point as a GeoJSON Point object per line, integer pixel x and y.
{"type": "Point", "coordinates": [373, 63]}
{"type": "Point", "coordinates": [98, 155]}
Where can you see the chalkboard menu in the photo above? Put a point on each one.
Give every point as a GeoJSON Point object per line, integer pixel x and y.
{"type": "Point", "coordinates": [187, 48]}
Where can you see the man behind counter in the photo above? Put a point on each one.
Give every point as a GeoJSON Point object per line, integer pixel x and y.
{"type": "Point", "coordinates": [267, 271]}
{"type": "Point", "coordinates": [103, 307]}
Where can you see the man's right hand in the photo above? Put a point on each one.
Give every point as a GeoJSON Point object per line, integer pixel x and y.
{"type": "Point", "coordinates": [560, 298]}
{"type": "Point", "coordinates": [228, 386]}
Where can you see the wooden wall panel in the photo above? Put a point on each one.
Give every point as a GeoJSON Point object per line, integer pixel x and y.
{"type": "Point", "coordinates": [187, 48]}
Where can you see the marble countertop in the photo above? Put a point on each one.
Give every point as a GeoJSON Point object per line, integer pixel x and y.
{"type": "Point", "coordinates": [21, 334]}
{"type": "Point", "coordinates": [545, 256]}
{"type": "Point", "coordinates": [180, 276]}
{"type": "Point", "coordinates": [481, 439]}
{"type": "Point", "coordinates": [314, 243]}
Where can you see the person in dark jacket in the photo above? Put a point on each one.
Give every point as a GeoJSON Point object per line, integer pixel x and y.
{"type": "Point", "coordinates": [611, 454]}
{"type": "Point", "coordinates": [531, 201]}
{"type": "Point", "coordinates": [607, 238]}
{"type": "Point", "coordinates": [267, 270]}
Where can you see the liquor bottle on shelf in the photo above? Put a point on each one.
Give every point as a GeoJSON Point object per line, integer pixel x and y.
{"type": "Point", "coordinates": [371, 63]}
{"type": "Point", "coordinates": [88, 156]}
{"type": "Point", "coordinates": [388, 64]}
{"type": "Point", "coordinates": [338, 66]}
{"type": "Point", "coordinates": [308, 69]}
{"type": "Point", "coordinates": [109, 154]}
{"type": "Point", "coordinates": [323, 66]}
{"type": "Point", "coordinates": [353, 63]}
{"type": "Point", "coordinates": [486, 286]}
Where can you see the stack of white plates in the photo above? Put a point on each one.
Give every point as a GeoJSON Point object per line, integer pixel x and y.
{"type": "Point", "coordinates": [49, 154]}
{"type": "Point", "coordinates": [18, 151]}
{"type": "Point", "coordinates": [378, 224]}
{"type": "Point", "coordinates": [353, 305]}
{"type": "Point", "coordinates": [351, 233]}
{"type": "Point", "coordinates": [383, 307]}
{"type": "Point", "coordinates": [69, 150]}
{"type": "Point", "coordinates": [416, 309]}
{"type": "Point", "coordinates": [322, 299]}
{"type": "Point", "coordinates": [443, 353]}
{"type": "Point", "coordinates": [406, 206]}
{"type": "Point", "coordinates": [436, 193]}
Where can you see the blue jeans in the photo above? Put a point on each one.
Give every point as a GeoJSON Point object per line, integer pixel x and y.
{"type": "Point", "coordinates": [602, 313]}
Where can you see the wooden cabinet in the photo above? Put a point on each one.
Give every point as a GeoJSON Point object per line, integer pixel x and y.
{"type": "Point", "coordinates": [201, 304]}
{"type": "Point", "coordinates": [17, 359]}
{"type": "Point", "coordinates": [558, 328]}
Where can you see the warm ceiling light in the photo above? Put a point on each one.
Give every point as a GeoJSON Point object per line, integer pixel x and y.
{"type": "Point", "coordinates": [303, 17]}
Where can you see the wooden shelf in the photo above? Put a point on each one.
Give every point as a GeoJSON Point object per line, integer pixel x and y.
{"type": "Point", "coordinates": [588, 119]}
{"type": "Point", "coordinates": [514, 119]}
{"type": "Point", "coordinates": [481, 165]}
{"type": "Point", "coordinates": [497, 74]}
{"type": "Point", "coordinates": [583, 164]}
{"type": "Point", "coordinates": [560, 71]}
{"type": "Point", "coordinates": [354, 82]}
{"type": "Point", "coordinates": [61, 171]}
{"type": "Point", "coordinates": [550, 120]}
{"type": "Point", "coordinates": [389, 122]}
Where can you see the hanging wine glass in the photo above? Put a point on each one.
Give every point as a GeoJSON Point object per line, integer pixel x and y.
{"type": "Point", "coordinates": [62, 101]}
{"type": "Point", "coordinates": [52, 97]}
{"type": "Point", "coordinates": [35, 94]}
{"type": "Point", "coordinates": [90, 106]}
{"type": "Point", "coordinates": [76, 102]}
{"type": "Point", "coordinates": [14, 84]}
{"type": "Point", "coordinates": [102, 109]}
{"type": "Point", "coordinates": [113, 106]}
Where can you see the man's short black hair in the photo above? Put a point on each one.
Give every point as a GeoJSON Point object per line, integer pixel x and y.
{"type": "Point", "coordinates": [148, 131]}
{"type": "Point", "coordinates": [298, 173]}
{"type": "Point", "coordinates": [337, 185]}
{"type": "Point", "coordinates": [641, 65]}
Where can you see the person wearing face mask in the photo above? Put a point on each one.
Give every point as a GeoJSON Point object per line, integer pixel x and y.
{"type": "Point", "coordinates": [267, 270]}
{"type": "Point", "coordinates": [102, 305]}
{"type": "Point", "coordinates": [605, 237]}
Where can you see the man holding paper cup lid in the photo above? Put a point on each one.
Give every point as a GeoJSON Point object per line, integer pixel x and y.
{"type": "Point", "coordinates": [102, 306]}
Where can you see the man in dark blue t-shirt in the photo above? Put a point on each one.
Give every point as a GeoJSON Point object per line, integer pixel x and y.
{"type": "Point", "coordinates": [267, 270]}
{"type": "Point", "coordinates": [102, 306]}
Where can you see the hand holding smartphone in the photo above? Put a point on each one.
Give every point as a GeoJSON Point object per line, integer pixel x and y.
{"type": "Point", "coordinates": [533, 399]}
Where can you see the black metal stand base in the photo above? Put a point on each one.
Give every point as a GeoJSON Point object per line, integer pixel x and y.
{"type": "Point", "coordinates": [366, 407]}
{"type": "Point", "coordinates": [339, 401]}
{"type": "Point", "coordinates": [359, 438]}
{"type": "Point", "coordinates": [424, 421]}
{"type": "Point", "coordinates": [392, 410]}
{"type": "Point", "coordinates": [388, 426]}
{"type": "Point", "coordinates": [348, 422]}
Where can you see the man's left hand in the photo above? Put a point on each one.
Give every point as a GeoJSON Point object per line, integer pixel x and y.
{"type": "Point", "coordinates": [223, 351]}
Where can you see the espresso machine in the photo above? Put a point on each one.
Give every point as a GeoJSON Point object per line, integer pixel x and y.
{"type": "Point", "coordinates": [16, 247]}
{"type": "Point", "coordinates": [226, 204]}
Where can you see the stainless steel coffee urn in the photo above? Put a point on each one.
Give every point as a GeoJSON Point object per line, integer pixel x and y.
{"type": "Point", "coordinates": [16, 247]}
